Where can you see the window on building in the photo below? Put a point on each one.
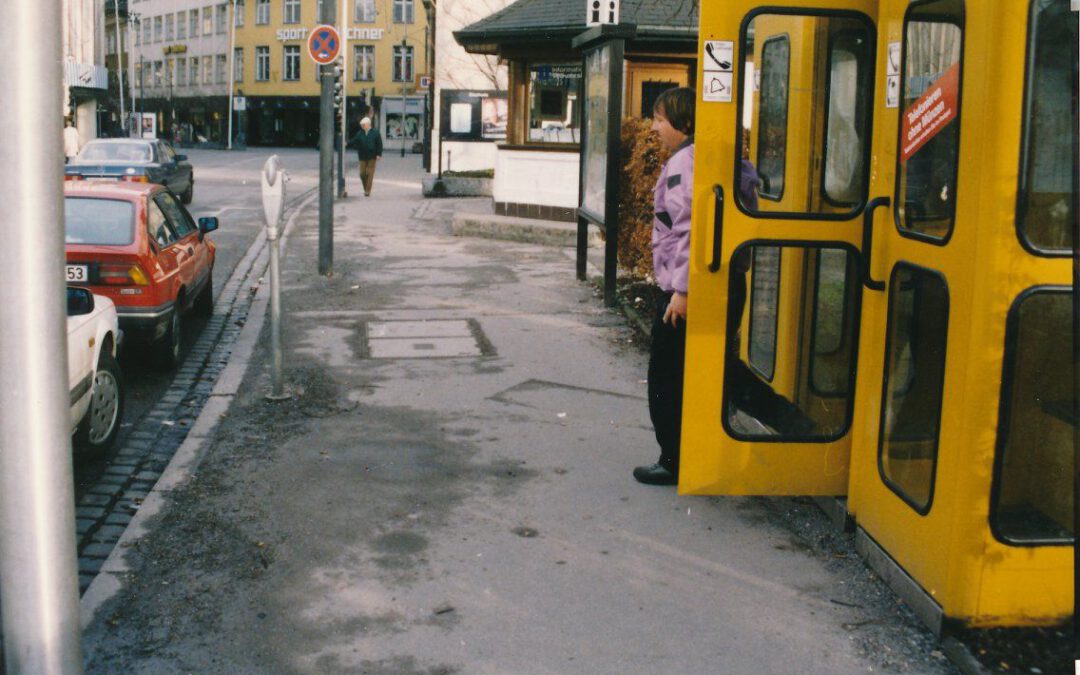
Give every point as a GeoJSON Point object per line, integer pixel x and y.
{"type": "Point", "coordinates": [137, 34]}
{"type": "Point", "coordinates": [262, 12]}
{"type": "Point", "coordinates": [238, 17]}
{"type": "Point", "coordinates": [208, 69]}
{"type": "Point", "coordinates": [138, 74]}
{"type": "Point", "coordinates": [181, 72]}
{"type": "Point", "coordinates": [110, 42]}
{"type": "Point", "coordinates": [181, 25]}
{"type": "Point", "coordinates": [292, 11]}
{"type": "Point", "coordinates": [208, 21]}
{"type": "Point", "coordinates": [221, 68]}
{"type": "Point", "coordinates": [221, 25]}
{"type": "Point", "coordinates": [170, 31]}
{"type": "Point", "coordinates": [291, 65]}
{"type": "Point", "coordinates": [193, 23]}
{"type": "Point", "coordinates": [364, 11]}
{"type": "Point", "coordinates": [403, 64]}
{"type": "Point", "coordinates": [238, 64]}
{"type": "Point", "coordinates": [170, 73]}
{"type": "Point", "coordinates": [363, 63]}
{"type": "Point", "coordinates": [262, 64]}
{"type": "Point", "coordinates": [159, 74]}
{"type": "Point", "coordinates": [193, 68]}
{"type": "Point", "coordinates": [146, 25]}
{"type": "Point", "coordinates": [157, 29]}
{"type": "Point", "coordinates": [403, 11]}
{"type": "Point", "coordinates": [553, 110]}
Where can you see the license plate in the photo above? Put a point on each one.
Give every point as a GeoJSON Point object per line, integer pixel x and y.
{"type": "Point", "coordinates": [77, 273]}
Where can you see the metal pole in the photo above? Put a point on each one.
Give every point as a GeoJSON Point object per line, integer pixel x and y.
{"type": "Point", "coordinates": [232, 71]}
{"type": "Point", "coordinates": [404, 73]}
{"type": "Point", "coordinates": [344, 23]}
{"type": "Point", "coordinates": [120, 61]}
{"type": "Point", "coordinates": [326, 160]}
{"type": "Point", "coordinates": [38, 569]}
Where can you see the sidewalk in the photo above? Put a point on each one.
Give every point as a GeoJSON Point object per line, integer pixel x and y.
{"type": "Point", "coordinates": [449, 491]}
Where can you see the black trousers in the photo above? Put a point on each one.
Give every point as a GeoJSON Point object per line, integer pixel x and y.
{"type": "Point", "coordinates": [667, 359]}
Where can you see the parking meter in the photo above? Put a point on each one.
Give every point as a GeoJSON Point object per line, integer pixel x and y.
{"type": "Point", "coordinates": [273, 195]}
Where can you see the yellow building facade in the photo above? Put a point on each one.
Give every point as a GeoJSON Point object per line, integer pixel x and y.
{"type": "Point", "coordinates": [385, 59]}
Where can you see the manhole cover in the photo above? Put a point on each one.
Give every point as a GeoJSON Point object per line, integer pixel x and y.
{"type": "Point", "coordinates": [421, 339]}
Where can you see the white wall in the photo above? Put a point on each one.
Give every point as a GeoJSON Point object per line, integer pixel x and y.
{"type": "Point", "coordinates": [462, 156]}
{"type": "Point", "coordinates": [457, 69]}
{"type": "Point", "coordinates": [529, 177]}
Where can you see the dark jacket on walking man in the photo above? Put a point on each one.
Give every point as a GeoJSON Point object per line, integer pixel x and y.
{"type": "Point", "coordinates": [368, 144]}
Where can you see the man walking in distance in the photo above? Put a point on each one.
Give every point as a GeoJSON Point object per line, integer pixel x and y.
{"type": "Point", "coordinates": [368, 144]}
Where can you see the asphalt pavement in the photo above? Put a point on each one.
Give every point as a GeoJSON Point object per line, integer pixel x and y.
{"type": "Point", "coordinates": [448, 490]}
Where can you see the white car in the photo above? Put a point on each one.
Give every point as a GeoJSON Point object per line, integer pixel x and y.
{"type": "Point", "coordinates": [97, 389]}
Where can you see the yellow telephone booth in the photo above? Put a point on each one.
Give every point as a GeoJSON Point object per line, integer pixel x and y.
{"type": "Point", "coordinates": [881, 287]}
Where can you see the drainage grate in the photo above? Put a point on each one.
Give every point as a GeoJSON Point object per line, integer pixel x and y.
{"type": "Point", "coordinates": [422, 339]}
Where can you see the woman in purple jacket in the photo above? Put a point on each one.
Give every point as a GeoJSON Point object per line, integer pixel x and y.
{"type": "Point", "coordinates": [673, 122]}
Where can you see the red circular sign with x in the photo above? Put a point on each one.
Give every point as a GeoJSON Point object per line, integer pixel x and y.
{"type": "Point", "coordinates": [324, 44]}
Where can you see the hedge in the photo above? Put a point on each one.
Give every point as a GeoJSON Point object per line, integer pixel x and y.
{"type": "Point", "coordinates": [643, 157]}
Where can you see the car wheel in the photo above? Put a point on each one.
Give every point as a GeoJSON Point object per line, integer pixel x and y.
{"type": "Point", "coordinates": [168, 348]}
{"type": "Point", "coordinates": [98, 429]}
{"type": "Point", "coordinates": [204, 303]}
{"type": "Point", "coordinates": [189, 193]}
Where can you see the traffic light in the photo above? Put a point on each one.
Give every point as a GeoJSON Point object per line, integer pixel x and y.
{"type": "Point", "coordinates": [339, 81]}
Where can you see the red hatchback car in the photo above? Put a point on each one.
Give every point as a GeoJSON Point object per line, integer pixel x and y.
{"type": "Point", "coordinates": [137, 245]}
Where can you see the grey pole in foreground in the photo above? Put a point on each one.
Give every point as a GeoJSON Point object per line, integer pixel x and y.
{"type": "Point", "coordinates": [38, 574]}
{"type": "Point", "coordinates": [326, 159]}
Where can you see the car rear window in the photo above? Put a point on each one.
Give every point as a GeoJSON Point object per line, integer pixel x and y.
{"type": "Point", "coordinates": [106, 222]}
{"type": "Point", "coordinates": [116, 152]}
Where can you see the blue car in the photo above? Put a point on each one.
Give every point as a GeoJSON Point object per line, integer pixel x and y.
{"type": "Point", "coordinates": [135, 160]}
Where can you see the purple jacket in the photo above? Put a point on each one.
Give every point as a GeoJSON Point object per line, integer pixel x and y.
{"type": "Point", "coordinates": [671, 220]}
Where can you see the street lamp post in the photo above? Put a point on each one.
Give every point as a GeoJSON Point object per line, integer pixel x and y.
{"type": "Point", "coordinates": [404, 73]}
{"type": "Point", "coordinates": [232, 73]}
{"type": "Point", "coordinates": [120, 61]}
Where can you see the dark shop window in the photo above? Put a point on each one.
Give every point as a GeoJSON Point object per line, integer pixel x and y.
{"type": "Point", "coordinates": [913, 383]}
{"type": "Point", "coordinates": [1032, 499]}
{"type": "Point", "coordinates": [1046, 210]}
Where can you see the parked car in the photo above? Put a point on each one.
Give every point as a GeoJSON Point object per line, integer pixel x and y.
{"type": "Point", "coordinates": [136, 160]}
{"type": "Point", "coordinates": [135, 244]}
{"type": "Point", "coordinates": [97, 388]}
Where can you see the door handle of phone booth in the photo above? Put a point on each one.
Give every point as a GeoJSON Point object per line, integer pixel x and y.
{"type": "Point", "coordinates": [718, 228]}
{"type": "Point", "coordinates": [868, 242]}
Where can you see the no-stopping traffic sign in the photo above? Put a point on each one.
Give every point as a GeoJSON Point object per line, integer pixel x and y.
{"type": "Point", "coordinates": [324, 44]}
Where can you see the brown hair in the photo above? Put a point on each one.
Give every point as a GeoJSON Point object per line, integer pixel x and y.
{"type": "Point", "coordinates": [677, 105]}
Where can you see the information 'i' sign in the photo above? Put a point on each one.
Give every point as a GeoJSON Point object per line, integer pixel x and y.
{"type": "Point", "coordinates": [324, 45]}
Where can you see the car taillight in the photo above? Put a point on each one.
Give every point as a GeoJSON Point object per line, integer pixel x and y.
{"type": "Point", "coordinates": [122, 275]}
{"type": "Point", "coordinates": [136, 179]}
{"type": "Point", "coordinates": [73, 177]}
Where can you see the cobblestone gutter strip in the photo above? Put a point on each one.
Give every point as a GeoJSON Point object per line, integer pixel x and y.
{"type": "Point", "coordinates": [166, 446]}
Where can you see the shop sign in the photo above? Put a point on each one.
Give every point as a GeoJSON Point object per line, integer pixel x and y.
{"type": "Point", "coordinates": [175, 49]}
{"type": "Point", "coordinates": [294, 34]}
{"type": "Point", "coordinates": [934, 110]}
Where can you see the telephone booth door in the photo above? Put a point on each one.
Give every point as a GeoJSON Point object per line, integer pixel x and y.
{"type": "Point", "coordinates": [962, 466]}
{"type": "Point", "coordinates": [781, 175]}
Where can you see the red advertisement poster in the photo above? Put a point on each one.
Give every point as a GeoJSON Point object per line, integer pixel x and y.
{"type": "Point", "coordinates": [934, 110]}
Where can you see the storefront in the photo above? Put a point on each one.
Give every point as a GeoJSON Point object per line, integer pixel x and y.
{"type": "Point", "coordinates": [537, 165]}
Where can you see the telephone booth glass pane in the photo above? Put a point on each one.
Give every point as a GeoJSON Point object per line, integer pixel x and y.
{"type": "Point", "coordinates": [830, 363]}
{"type": "Point", "coordinates": [1034, 488]}
{"type": "Point", "coordinates": [1047, 204]}
{"type": "Point", "coordinates": [764, 300]}
{"type": "Point", "coordinates": [811, 302]}
{"type": "Point", "coordinates": [772, 127]}
{"type": "Point", "coordinates": [913, 383]}
{"type": "Point", "coordinates": [929, 123]}
{"type": "Point", "coordinates": [803, 134]}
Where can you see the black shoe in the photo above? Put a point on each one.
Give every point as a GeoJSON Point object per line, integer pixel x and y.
{"type": "Point", "coordinates": [655, 474]}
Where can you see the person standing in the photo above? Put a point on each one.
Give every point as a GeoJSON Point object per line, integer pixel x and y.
{"type": "Point", "coordinates": [368, 144]}
{"type": "Point", "coordinates": [71, 140]}
{"type": "Point", "coordinates": [673, 123]}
